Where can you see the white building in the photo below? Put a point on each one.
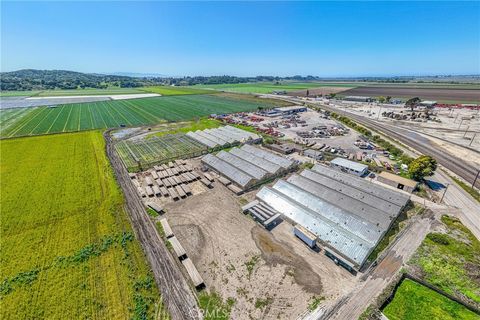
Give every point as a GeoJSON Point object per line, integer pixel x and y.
{"type": "Point", "coordinates": [348, 166]}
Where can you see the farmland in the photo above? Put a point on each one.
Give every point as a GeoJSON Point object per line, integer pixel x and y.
{"type": "Point", "coordinates": [175, 91]}
{"type": "Point", "coordinates": [450, 261]}
{"type": "Point", "coordinates": [68, 250]}
{"type": "Point", "coordinates": [109, 114]}
{"type": "Point", "coordinates": [415, 301]}
{"type": "Point", "coordinates": [441, 94]}
{"type": "Point", "coordinates": [269, 87]}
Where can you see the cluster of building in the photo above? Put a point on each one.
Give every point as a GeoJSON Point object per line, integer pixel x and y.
{"type": "Point", "coordinates": [283, 111]}
{"type": "Point", "coordinates": [347, 214]}
{"type": "Point", "coordinates": [224, 137]}
{"type": "Point", "coordinates": [248, 166]}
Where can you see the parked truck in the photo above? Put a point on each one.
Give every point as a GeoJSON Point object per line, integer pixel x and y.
{"type": "Point", "coordinates": [305, 235]}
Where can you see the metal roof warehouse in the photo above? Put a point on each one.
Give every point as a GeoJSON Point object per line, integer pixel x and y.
{"type": "Point", "coordinates": [348, 214]}
{"type": "Point", "coordinates": [247, 165]}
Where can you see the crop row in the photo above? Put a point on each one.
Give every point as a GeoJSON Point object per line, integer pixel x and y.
{"type": "Point", "coordinates": [157, 150]}
{"type": "Point", "coordinates": [111, 114]}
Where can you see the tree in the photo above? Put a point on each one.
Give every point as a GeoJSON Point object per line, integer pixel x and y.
{"type": "Point", "coordinates": [387, 99]}
{"type": "Point", "coordinates": [381, 99]}
{"type": "Point", "coordinates": [412, 103]}
{"type": "Point", "coordinates": [421, 167]}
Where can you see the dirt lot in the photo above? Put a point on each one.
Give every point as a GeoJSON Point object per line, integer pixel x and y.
{"type": "Point", "coordinates": [239, 259]}
{"type": "Point", "coordinates": [317, 91]}
{"type": "Point", "coordinates": [443, 94]}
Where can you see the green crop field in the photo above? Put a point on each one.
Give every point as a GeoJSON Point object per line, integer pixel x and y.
{"type": "Point", "coordinates": [89, 92]}
{"type": "Point", "coordinates": [417, 302]}
{"type": "Point", "coordinates": [451, 261]}
{"type": "Point", "coordinates": [134, 112]}
{"type": "Point", "coordinates": [28, 93]}
{"type": "Point", "coordinates": [68, 250]}
{"type": "Point", "coordinates": [266, 87]}
{"type": "Point", "coordinates": [175, 91]}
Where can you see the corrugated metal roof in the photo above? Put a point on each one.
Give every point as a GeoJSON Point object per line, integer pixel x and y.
{"type": "Point", "coordinates": [377, 190]}
{"type": "Point", "coordinates": [281, 161]}
{"type": "Point", "coordinates": [259, 162]}
{"type": "Point", "coordinates": [349, 214]}
{"type": "Point", "coordinates": [245, 166]}
{"type": "Point", "coordinates": [231, 172]}
{"type": "Point", "coordinates": [225, 137]}
{"type": "Point", "coordinates": [335, 215]}
{"type": "Point", "coordinates": [349, 164]}
{"type": "Point", "coordinates": [348, 244]}
{"type": "Point", "coordinates": [352, 192]}
{"type": "Point", "coordinates": [205, 141]}
{"type": "Point", "coordinates": [246, 134]}
{"type": "Point", "coordinates": [217, 140]}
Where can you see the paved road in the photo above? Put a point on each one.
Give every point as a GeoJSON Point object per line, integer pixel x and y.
{"type": "Point", "coordinates": [463, 205]}
{"type": "Point", "coordinates": [465, 170]}
{"type": "Point", "coordinates": [176, 293]}
{"type": "Point", "coordinates": [410, 238]}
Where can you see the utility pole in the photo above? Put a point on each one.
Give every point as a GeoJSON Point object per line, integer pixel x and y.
{"type": "Point", "coordinates": [472, 139]}
{"type": "Point", "coordinates": [475, 180]}
{"type": "Point", "coordinates": [468, 127]}
{"type": "Point", "coordinates": [455, 121]}
{"type": "Point", "coordinates": [460, 123]}
{"type": "Point", "coordinates": [379, 111]}
{"type": "Point", "coordinates": [441, 200]}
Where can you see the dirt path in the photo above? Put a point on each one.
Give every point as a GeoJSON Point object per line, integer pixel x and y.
{"type": "Point", "coordinates": [176, 293]}
{"type": "Point", "coordinates": [378, 279]}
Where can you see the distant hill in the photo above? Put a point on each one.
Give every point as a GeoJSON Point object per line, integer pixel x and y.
{"type": "Point", "coordinates": [30, 79]}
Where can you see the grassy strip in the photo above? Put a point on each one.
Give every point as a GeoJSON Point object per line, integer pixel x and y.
{"type": "Point", "coordinates": [417, 302]}
{"type": "Point", "coordinates": [175, 90]}
{"type": "Point", "coordinates": [469, 189]}
{"type": "Point", "coordinates": [213, 307]}
{"type": "Point", "coordinates": [451, 261]}
{"type": "Point", "coordinates": [397, 226]}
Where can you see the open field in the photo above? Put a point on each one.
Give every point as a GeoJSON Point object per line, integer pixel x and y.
{"type": "Point", "coordinates": [268, 87]}
{"type": "Point", "coordinates": [135, 112]}
{"type": "Point", "coordinates": [28, 93]}
{"type": "Point", "coordinates": [175, 91]}
{"type": "Point", "coordinates": [450, 260]}
{"type": "Point", "coordinates": [447, 95]}
{"type": "Point", "coordinates": [89, 92]}
{"type": "Point", "coordinates": [68, 251]}
{"type": "Point", "coordinates": [417, 302]}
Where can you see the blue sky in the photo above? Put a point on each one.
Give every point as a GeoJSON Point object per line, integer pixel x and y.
{"type": "Point", "coordinates": [245, 39]}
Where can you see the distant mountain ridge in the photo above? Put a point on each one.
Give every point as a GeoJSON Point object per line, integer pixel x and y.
{"type": "Point", "coordinates": [32, 79]}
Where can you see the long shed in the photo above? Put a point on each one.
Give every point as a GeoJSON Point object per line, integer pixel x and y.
{"type": "Point", "coordinates": [177, 248]}
{"type": "Point", "coordinates": [193, 273]}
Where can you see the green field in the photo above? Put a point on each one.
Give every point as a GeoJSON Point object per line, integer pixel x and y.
{"type": "Point", "coordinates": [268, 87]}
{"type": "Point", "coordinates": [72, 92]}
{"type": "Point", "coordinates": [89, 92]}
{"type": "Point", "coordinates": [451, 261]}
{"type": "Point", "coordinates": [134, 112]}
{"type": "Point", "coordinates": [28, 93]}
{"type": "Point", "coordinates": [414, 301]}
{"type": "Point", "coordinates": [175, 91]}
{"type": "Point", "coordinates": [68, 250]}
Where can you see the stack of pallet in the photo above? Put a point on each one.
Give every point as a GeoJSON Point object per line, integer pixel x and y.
{"type": "Point", "coordinates": [168, 180]}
